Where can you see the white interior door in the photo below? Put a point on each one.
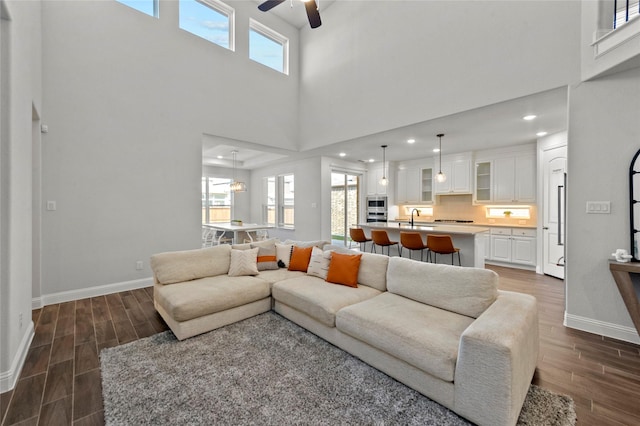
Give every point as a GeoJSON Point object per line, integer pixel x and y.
{"type": "Point", "coordinates": [554, 169]}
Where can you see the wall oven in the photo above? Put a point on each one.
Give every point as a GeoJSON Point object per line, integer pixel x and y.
{"type": "Point", "coordinates": [376, 209]}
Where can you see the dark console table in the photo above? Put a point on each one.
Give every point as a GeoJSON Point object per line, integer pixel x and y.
{"type": "Point", "coordinates": [622, 275]}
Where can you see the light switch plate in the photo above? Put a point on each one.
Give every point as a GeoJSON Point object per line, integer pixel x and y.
{"type": "Point", "coordinates": [598, 207]}
{"type": "Point", "coordinates": [51, 205]}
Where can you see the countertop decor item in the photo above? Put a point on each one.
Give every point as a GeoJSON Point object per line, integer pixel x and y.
{"type": "Point", "coordinates": [622, 255]}
{"type": "Point", "coordinates": [507, 213]}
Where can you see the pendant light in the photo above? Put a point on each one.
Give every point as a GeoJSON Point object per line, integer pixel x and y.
{"type": "Point", "coordinates": [440, 177]}
{"type": "Point", "coordinates": [384, 181]}
{"type": "Point", "coordinates": [236, 186]}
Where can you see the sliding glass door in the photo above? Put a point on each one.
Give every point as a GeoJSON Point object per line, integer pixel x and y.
{"type": "Point", "coordinates": [345, 207]}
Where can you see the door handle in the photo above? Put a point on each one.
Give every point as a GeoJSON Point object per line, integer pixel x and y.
{"type": "Point", "coordinates": [546, 228]}
{"type": "Point", "coordinates": [560, 214]}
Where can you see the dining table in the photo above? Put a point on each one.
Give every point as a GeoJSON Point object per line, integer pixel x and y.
{"type": "Point", "coordinates": [239, 231]}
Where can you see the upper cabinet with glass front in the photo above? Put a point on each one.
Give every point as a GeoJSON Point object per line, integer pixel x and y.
{"type": "Point", "coordinates": [414, 182]}
{"type": "Point", "coordinates": [505, 176]}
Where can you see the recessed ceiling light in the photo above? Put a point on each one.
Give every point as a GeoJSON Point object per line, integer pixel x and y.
{"type": "Point", "coordinates": [342, 154]}
{"type": "Point", "coordinates": [411, 141]}
{"type": "Point", "coordinates": [541, 134]}
{"type": "Point", "coordinates": [220, 157]}
{"type": "Point", "coordinates": [371, 160]}
{"type": "Point", "coordinates": [436, 149]}
{"type": "Point", "coordinates": [529, 117]}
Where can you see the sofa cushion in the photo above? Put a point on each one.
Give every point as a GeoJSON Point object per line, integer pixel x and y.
{"type": "Point", "coordinates": [266, 257]}
{"type": "Point", "coordinates": [206, 296]}
{"type": "Point", "coordinates": [315, 243]}
{"type": "Point", "coordinates": [343, 269]}
{"type": "Point", "coordinates": [280, 274]}
{"type": "Point", "coordinates": [373, 271]}
{"type": "Point", "coordinates": [243, 262]}
{"type": "Point", "coordinates": [319, 263]}
{"type": "Point", "coordinates": [467, 291]}
{"type": "Point", "coordinates": [421, 335]}
{"type": "Point", "coordinates": [283, 254]}
{"type": "Point", "coordinates": [319, 299]}
{"type": "Point", "coordinates": [300, 257]}
{"type": "Point", "coordinates": [178, 266]}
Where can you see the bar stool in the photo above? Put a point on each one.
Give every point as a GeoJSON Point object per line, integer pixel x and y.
{"type": "Point", "coordinates": [413, 241]}
{"type": "Point", "coordinates": [380, 238]}
{"type": "Point", "coordinates": [357, 235]}
{"type": "Point", "coordinates": [442, 244]}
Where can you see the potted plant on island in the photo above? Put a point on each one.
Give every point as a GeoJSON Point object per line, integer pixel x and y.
{"type": "Point", "coordinates": [507, 213]}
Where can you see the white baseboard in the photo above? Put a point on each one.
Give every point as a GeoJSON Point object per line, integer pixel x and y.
{"type": "Point", "coordinates": [615, 331]}
{"type": "Point", "coordinates": [83, 293]}
{"type": "Point", "coordinates": [9, 378]}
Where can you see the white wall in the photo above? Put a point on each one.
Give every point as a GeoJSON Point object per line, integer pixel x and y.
{"type": "Point", "coordinates": [127, 100]}
{"type": "Point", "coordinates": [377, 65]}
{"type": "Point", "coordinates": [603, 137]}
{"type": "Point", "coordinates": [21, 96]}
{"type": "Point", "coordinates": [307, 218]}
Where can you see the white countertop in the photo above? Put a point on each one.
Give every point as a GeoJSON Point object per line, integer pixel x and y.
{"type": "Point", "coordinates": [438, 228]}
{"type": "Point", "coordinates": [429, 223]}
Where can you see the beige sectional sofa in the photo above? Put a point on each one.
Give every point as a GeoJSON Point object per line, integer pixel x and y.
{"type": "Point", "coordinates": [445, 331]}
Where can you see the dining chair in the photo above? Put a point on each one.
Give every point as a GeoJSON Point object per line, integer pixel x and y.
{"type": "Point", "coordinates": [442, 244]}
{"type": "Point", "coordinates": [357, 235]}
{"type": "Point", "coordinates": [413, 241]}
{"type": "Point", "coordinates": [381, 238]}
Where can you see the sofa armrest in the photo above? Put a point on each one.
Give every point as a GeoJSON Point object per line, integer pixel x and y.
{"type": "Point", "coordinates": [496, 360]}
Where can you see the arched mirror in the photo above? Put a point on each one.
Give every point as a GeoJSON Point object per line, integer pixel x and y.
{"type": "Point", "coordinates": [634, 205]}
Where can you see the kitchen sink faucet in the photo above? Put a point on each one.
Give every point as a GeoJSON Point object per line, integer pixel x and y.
{"type": "Point", "coordinates": [417, 212]}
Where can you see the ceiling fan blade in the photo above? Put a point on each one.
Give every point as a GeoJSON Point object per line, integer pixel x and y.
{"type": "Point", "coordinates": [269, 4]}
{"type": "Point", "coordinates": [312, 13]}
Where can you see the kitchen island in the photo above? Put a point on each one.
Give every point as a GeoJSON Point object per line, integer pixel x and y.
{"type": "Point", "coordinates": [469, 239]}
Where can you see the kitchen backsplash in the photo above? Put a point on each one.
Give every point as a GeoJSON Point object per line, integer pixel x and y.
{"type": "Point", "coordinates": [460, 207]}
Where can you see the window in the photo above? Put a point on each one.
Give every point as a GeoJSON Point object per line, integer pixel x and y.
{"type": "Point", "coordinates": [210, 19]}
{"type": "Point", "coordinates": [268, 47]}
{"type": "Point", "coordinates": [286, 201]}
{"type": "Point", "coordinates": [269, 206]}
{"type": "Point", "coordinates": [278, 201]}
{"type": "Point", "coordinates": [150, 7]}
{"type": "Point", "coordinates": [216, 200]}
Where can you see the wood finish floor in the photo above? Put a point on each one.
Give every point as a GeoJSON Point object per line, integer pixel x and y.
{"type": "Point", "coordinates": [60, 381]}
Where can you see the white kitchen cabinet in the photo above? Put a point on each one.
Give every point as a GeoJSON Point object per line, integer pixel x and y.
{"type": "Point", "coordinates": [374, 175]}
{"type": "Point", "coordinates": [458, 173]}
{"type": "Point", "coordinates": [513, 245]}
{"type": "Point", "coordinates": [408, 186]}
{"type": "Point", "coordinates": [487, 246]}
{"type": "Point", "coordinates": [525, 180]}
{"type": "Point", "coordinates": [514, 179]}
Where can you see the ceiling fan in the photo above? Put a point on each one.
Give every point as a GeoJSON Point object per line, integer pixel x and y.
{"type": "Point", "coordinates": [310, 5]}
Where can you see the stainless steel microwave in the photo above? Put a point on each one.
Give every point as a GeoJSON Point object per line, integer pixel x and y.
{"type": "Point", "coordinates": [377, 203]}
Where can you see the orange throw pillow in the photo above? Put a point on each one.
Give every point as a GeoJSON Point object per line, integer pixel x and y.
{"type": "Point", "coordinates": [300, 257]}
{"type": "Point", "coordinates": [343, 269]}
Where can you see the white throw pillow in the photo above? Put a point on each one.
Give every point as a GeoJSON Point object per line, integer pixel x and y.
{"type": "Point", "coordinates": [283, 254]}
{"type": "Point", "coordinates": [319, 263]}
{"type": "Point", "coordinates": [243, 262]}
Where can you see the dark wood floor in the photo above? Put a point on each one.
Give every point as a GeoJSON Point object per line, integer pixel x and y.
{"type": "Point", "coordinates": [60, 382]}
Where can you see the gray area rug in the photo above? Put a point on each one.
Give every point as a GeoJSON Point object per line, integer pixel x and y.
{"type": "Point", "coordinates": [268, 370]}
